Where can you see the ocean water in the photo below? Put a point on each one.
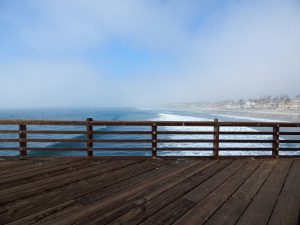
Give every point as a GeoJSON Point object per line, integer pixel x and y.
{"type": "Point", "coordinates": [135, 114]}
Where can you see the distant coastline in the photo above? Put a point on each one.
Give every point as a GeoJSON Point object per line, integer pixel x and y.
{"type": "Point", "coordinates": [264, 113]}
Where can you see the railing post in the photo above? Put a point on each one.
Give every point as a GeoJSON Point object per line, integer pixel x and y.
{"type": "Point", "coordinates": [275, 144]}
{"type": "Point", "coordinates": [216, 138]}
{"type": "Point", "coordinates": [154, 140]}
{"type": "Point", "coordinates": [22, 141]}
{"type": "Point", "coordinates": [89, 137]}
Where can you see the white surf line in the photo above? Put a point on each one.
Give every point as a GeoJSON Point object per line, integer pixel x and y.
{"type": "Point", "coordinates": [248, 118]}
{"type": "Point", "coordinates": [172, 117]}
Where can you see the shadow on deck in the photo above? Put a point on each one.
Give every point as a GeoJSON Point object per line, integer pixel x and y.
{"type": "Point", "coordinates": [187, 191]}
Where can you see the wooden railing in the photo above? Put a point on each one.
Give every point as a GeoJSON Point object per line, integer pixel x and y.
{"type": "Point", "coordinates": [153, 136]}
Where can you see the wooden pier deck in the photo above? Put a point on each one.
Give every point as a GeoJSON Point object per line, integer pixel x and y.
{"type": "Point", "coordinates": [145, 191]}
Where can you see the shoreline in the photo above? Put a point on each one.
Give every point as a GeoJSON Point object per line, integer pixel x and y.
{"type": "Point", "coordinates": [266, 114]}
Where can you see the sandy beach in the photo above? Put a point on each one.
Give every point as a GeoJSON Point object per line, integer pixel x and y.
{"type": "Point", "coordinates": [270, 114]}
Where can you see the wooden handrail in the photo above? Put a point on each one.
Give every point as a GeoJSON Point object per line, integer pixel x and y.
{"type": "Point", "coordinates": [146, 123]}
{"type": "Point", "coordinates": [151, 136]}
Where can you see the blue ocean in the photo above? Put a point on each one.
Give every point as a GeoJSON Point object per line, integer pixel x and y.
{"type": "Point", "coordinates": [136, 114]}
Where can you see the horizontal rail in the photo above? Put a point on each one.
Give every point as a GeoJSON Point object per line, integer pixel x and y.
{"type": "Point", "coordinates": [186, 132]}
{"type": "Point", "coordinates": [9, 131]}
{"type": "Point", "coordinates": [289, 141]}
{"type": "Point", "coordinates": [73, 149]}
{"type": "Point", "coordinates": [104, 123]}
{"type": "Point", "coordinates": [184, 140]}
{"type": "Point", "coordinates": [149, 136]}
{"type": "Point", "coordinates": [245, 133]}
{"type": "Point", "coordinates": [143, 149]}
{"type": "Point", "coordinates": [245, 149]}
{"type": "Point", "coordinates": [244, 141]}
{"type": "Point", "coordinates": [146, 123]}
{"type": "Point", "coordinates": [9, 148]}
{"type": "Point", "coordinates": [54, 132]}
{"type": "Point", "coordinates": [42, 122]}
{"type": "Point", "coordinates": [147, 132]}
{"type": "Point", "coordinates": [72, 132]}
{"type": "Point", "coordinates": [148, 140]}
{"type": "Point", "coordinates": [75, 140]}
{"type": "Point", "coordinates": [289, 133]}
{"type": "Point", "coordinates": [258, 124]}
{"type": "Point", "coordinates": [185, 149]}
{"type": "Point", "coordinates": [289, 149]}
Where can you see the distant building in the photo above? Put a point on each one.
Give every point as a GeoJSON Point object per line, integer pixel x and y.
{"type": "Point", "coordinates": [295, 104]}
{"type": "Point", "coordinates": [250, 104]}
{"type": "Point", "coordinates": [282, 102]}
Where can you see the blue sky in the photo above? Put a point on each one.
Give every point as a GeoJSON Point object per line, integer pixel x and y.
{"type": "Point", "coordinates": [80, 53]}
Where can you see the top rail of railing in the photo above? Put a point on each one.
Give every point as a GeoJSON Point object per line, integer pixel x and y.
{"type": "Point", "coordinates": [145, 123]}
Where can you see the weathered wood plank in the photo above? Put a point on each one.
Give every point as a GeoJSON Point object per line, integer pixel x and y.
{"type": "Point", "coordinates": [90, 189]}
{"type": "Point", "coordinates": [110, 202]}
{"type": "Point", "coordinates": [287, 208]}
{"type": "Point", "coordinates": [233, 208]}
{"type": "Point", "coordinates": [173, 211]}
{"type": "Point", "coordinates": [206, 207]}
{"type": "Point", "coordinates": [47, 184]}
{"type": "Point", "coordinates": [146, 195]}
{"type": "Point", "coordinates": [12, 164]}
{"type": "Point", "coordinates": [55, 170]}
{"type": "Point", "coordinates": [39, 164]}
{"type": "Point", "coordinates": [140, 210]}
{"type": "Point", "coordinates": [260, 209]}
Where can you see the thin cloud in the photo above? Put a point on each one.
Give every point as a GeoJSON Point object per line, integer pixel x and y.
{"type": "Point", "coordinates": [196, 50]}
